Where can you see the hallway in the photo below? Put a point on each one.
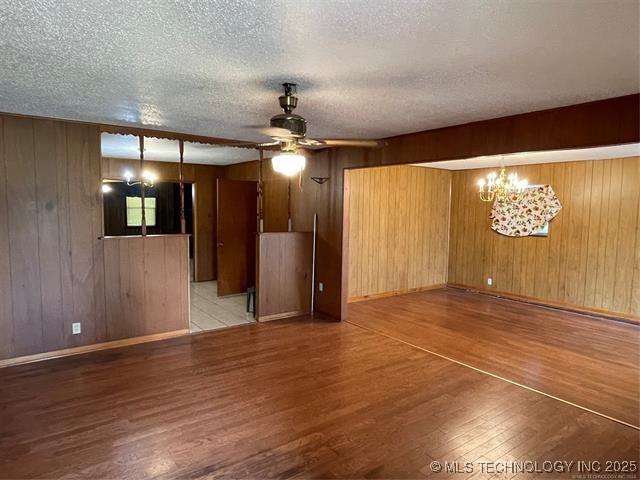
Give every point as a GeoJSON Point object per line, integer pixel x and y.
{"type": "Point", "coordinates": [210, 312]}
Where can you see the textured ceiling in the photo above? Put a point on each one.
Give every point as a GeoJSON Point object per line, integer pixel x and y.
{"type": "Point", "coordinates": [366, 68]}
{"type": "Point", "coordinates": [163, 150]}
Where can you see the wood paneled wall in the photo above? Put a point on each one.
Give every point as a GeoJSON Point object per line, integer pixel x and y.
{"type": "Point", "coordinates": [52, 265]}
{"type": "Point", "coordinates": [592, 124]}
{"type": "Point", "coordinates": [591, 257]}
{"type": "Point", "coordinates": [284, 274]}
{"type": "Point", "coordinates": [147, 285]}
{"type": "Point", "coordinates": [51, 260]}
{"type": "Point", "coordinates": [204, 177]}
{"type": "Point", "coordinates": [398, 229]}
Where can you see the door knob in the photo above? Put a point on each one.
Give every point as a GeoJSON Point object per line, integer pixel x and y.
{"type": "Point", "coordinates": [221, 244]}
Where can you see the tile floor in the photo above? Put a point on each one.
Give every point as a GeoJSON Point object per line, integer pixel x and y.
{"type": "Point", "coordinates": [208, 311]}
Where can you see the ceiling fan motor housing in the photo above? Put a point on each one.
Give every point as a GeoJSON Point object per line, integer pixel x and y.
{"type": "Point", "coordinates": [289, 120]}
{"type": "Point", "coordinates": [295, 123]}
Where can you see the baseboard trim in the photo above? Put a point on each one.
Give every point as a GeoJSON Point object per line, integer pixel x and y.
{"type": "Point", "coordinates": [38, 357]}
{"type": "Point", "coordinates": [280, 316]}
{"type": "Point", "coordinates": [393, 293]}
{"type": "Point", "coordinates": [593, 312]}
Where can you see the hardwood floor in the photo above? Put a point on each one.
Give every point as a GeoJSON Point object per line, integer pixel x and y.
{"type": "Point", "coordinates": [585, 360]}
{"type": "Point", "coordinates": [286, 399]}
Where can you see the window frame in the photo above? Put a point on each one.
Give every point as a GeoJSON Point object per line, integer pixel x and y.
{"type": "Point", "coordinates": [147, 209]}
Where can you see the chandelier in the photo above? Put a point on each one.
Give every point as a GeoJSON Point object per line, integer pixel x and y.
{"type": "Point", "coordinates": [501, 187]}
{"type": "Point", "coordinates": [147, 178]}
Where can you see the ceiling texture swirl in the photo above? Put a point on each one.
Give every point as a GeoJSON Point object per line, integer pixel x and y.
{"type": "Point", "coordinates": [365, 68]}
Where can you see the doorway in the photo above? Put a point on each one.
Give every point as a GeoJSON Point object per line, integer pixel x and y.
{"type": "Point", "coordinates": [223, 301]}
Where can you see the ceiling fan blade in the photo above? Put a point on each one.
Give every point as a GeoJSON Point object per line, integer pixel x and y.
{"type": "Point", "coordinates": [275, 132]}
{"type": "Point", "coordinates": [268, 144]}
{"type": "Point", "coordinates": [250, 144]}
{"type": "Point", "coordinates": [240, 144]}
{"type": "Point", "coordinates": [354, 143]}
{"type": "Point", "coordinates": [312, 143]}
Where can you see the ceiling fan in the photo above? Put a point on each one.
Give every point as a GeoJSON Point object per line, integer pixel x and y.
{"type": "Point", "coordinates": [289, 130]}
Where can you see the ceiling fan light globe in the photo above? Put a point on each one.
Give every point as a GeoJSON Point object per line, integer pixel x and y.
{"type": "Point", "coordinates": [288, 164]}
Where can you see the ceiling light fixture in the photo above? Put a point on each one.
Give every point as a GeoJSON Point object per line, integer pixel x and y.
{"type": "Point", "coordinates": [501, 187]}
{"type": "Point", "coordinates": [288, 163]}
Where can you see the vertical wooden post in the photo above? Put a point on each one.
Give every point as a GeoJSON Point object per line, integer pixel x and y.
{"type": "Point", "coordinates": [260, 192]}
{"type": "Point", "coordinates": [143, 222]}
{"type": "Point", "coordinates": [183, 220]}
{"type": "Point", "coordinates": [289, 223]}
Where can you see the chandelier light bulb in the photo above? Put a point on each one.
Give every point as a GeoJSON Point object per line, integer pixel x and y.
{"type": "Point", "coordinates": [501, 187]}
{"type": "Point", "coordinates": [148, 176]}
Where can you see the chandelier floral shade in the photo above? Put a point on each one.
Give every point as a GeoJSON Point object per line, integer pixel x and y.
{"type": "Point", "coordinates": [501, 187]}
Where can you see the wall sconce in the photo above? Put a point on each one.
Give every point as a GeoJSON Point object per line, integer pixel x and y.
{"type": "Point", "coordinates": [320, 180]}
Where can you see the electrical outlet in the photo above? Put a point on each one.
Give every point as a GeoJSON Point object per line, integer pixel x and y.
{"type": "Point", "coordinates": [321, 287]}
{"type": "Point", "coordinates": [76, 328]}
{"type": "Point", "coordinates": [489, 281]}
